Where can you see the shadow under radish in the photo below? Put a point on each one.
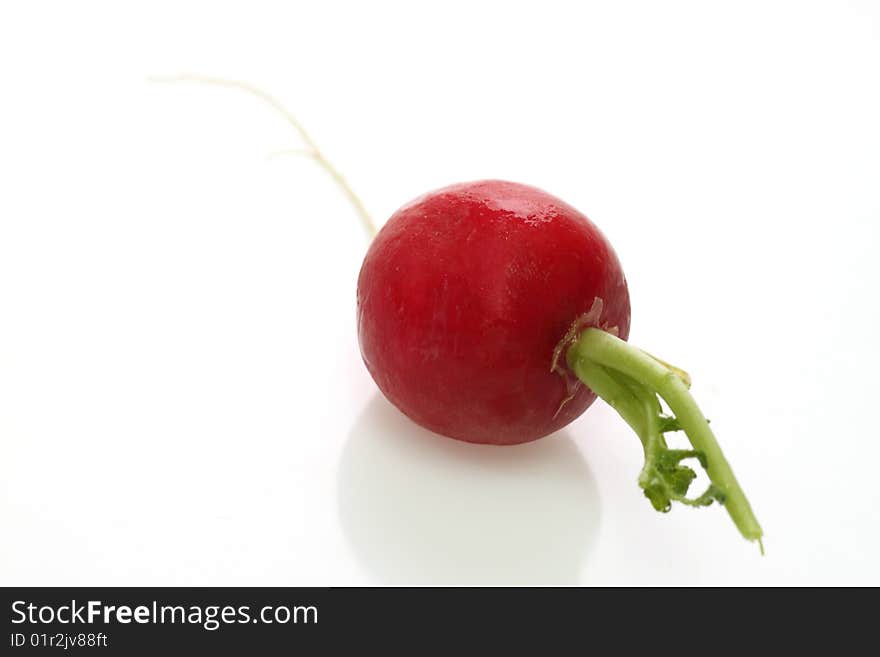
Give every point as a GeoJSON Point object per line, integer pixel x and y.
{"type": "Point", "coordinates": [418, 508]}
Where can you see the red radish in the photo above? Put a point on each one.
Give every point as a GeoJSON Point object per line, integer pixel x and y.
{"type": "Point", "coordinates": [493, 312]}
{"type": "Point", "coordinates": [465, 294]}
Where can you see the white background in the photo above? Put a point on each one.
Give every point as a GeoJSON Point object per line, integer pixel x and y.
{"type": "Point", "coordinates": [181, 395]}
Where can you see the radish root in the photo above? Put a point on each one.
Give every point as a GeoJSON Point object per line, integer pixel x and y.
{"type": "Point", "coordinates": [311, 148]}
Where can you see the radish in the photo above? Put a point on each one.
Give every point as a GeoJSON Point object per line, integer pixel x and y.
{"type": "Point", "coordinates": [492, 312]}
{"type": "Point", "coordinates": [465, 299]}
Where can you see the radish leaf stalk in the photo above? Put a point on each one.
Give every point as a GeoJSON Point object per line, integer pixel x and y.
{"type": "Point", "coordinates": [630, 380]}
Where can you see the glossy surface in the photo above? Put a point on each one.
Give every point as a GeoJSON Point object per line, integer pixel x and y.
{"type": "Point", "coordinates": [463, 297]}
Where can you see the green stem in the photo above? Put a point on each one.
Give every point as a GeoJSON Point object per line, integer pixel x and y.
{"type": "Point", "coordinates": [615, 395]}
{"type": "Point", "coordinates": [653, 437]}
{"type": "Point", "coordinates": [596, 355]}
